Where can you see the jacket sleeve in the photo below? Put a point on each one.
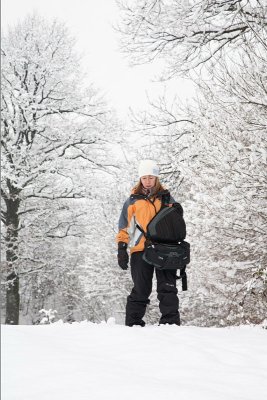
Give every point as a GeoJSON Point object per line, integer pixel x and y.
{"type": "Point", "coordinates": [124, 222]}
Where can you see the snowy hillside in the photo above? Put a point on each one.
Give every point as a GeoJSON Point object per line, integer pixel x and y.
{"type": "Point", "coordinates": [113, 362]}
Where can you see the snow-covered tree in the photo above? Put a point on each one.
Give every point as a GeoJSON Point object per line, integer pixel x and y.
{"type": "Point", "coordinates": [53, 135]}
{"type": "Point", "coordinates": [216, 146]}
{"type": "Point", "coordinates": [188, 33]}
{"type": "Point", "coordinates": [230, 150]}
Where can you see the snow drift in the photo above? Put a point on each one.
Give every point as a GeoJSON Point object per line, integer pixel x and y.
{"type": "Point", "coordinates": [107, 361]}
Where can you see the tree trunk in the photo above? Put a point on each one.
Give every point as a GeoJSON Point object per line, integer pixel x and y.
{"type": "Point", "coordinates": [12, 299]}
{"type": "Point", "coordinates": [12, 223]}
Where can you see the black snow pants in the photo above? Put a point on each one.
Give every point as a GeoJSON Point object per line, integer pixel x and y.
{"type": "Point", "coordinates": [142, 275]}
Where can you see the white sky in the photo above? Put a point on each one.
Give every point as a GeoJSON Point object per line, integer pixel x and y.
{"type": "Point", "coordinates": [91, 21]}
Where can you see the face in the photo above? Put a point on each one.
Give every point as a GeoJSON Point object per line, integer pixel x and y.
{"type": "Point", "coordinates": [148, 181]}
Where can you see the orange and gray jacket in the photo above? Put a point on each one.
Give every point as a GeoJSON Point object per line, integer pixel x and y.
{"type": "Point", "coordinates": [139, 210]}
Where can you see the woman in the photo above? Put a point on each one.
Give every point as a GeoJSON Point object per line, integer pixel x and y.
{"type": "Point", "coordinates": [145, 201]}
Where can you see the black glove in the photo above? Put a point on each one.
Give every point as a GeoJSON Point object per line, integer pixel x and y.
{"type": "Point", "coordinates": [179, 208]}
{"type": "Point", "coordinates": [123, 257]}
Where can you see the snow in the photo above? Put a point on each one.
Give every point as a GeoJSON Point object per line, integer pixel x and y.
{"type": "Point", "coordinates": [107, 361]}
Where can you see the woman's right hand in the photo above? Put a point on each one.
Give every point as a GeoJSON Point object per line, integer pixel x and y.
{"type": "Point", "coordinates": [123, 257]}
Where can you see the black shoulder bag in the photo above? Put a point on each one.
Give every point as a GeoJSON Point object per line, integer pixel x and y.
{"type": "Point", "coordinates": [165, 246]}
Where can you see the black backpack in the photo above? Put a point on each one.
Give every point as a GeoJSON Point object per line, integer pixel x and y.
{"type": "Point", "coordinates": [168, 226]}
{"type": "Point", "coordinates": [165, 245]}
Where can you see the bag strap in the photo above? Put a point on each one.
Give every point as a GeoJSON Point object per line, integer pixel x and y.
{"type": "Point", "coordinates": [141, 229]}
{"type": "Point", "coordinates": [183, 276]}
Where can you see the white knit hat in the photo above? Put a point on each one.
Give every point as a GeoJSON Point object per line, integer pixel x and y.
{"type": "Point", "coordinates": [148, 167]}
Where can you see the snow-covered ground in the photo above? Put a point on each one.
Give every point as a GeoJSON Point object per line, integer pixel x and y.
{"type": "Point", "coordinates": [113, 362]}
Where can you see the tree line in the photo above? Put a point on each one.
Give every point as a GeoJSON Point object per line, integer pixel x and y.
{"type": "Point", "coordinates": [62, 186]}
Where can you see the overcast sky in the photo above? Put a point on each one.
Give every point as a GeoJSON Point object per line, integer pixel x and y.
{"type": "Point", "coordinates": [91, 22]}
